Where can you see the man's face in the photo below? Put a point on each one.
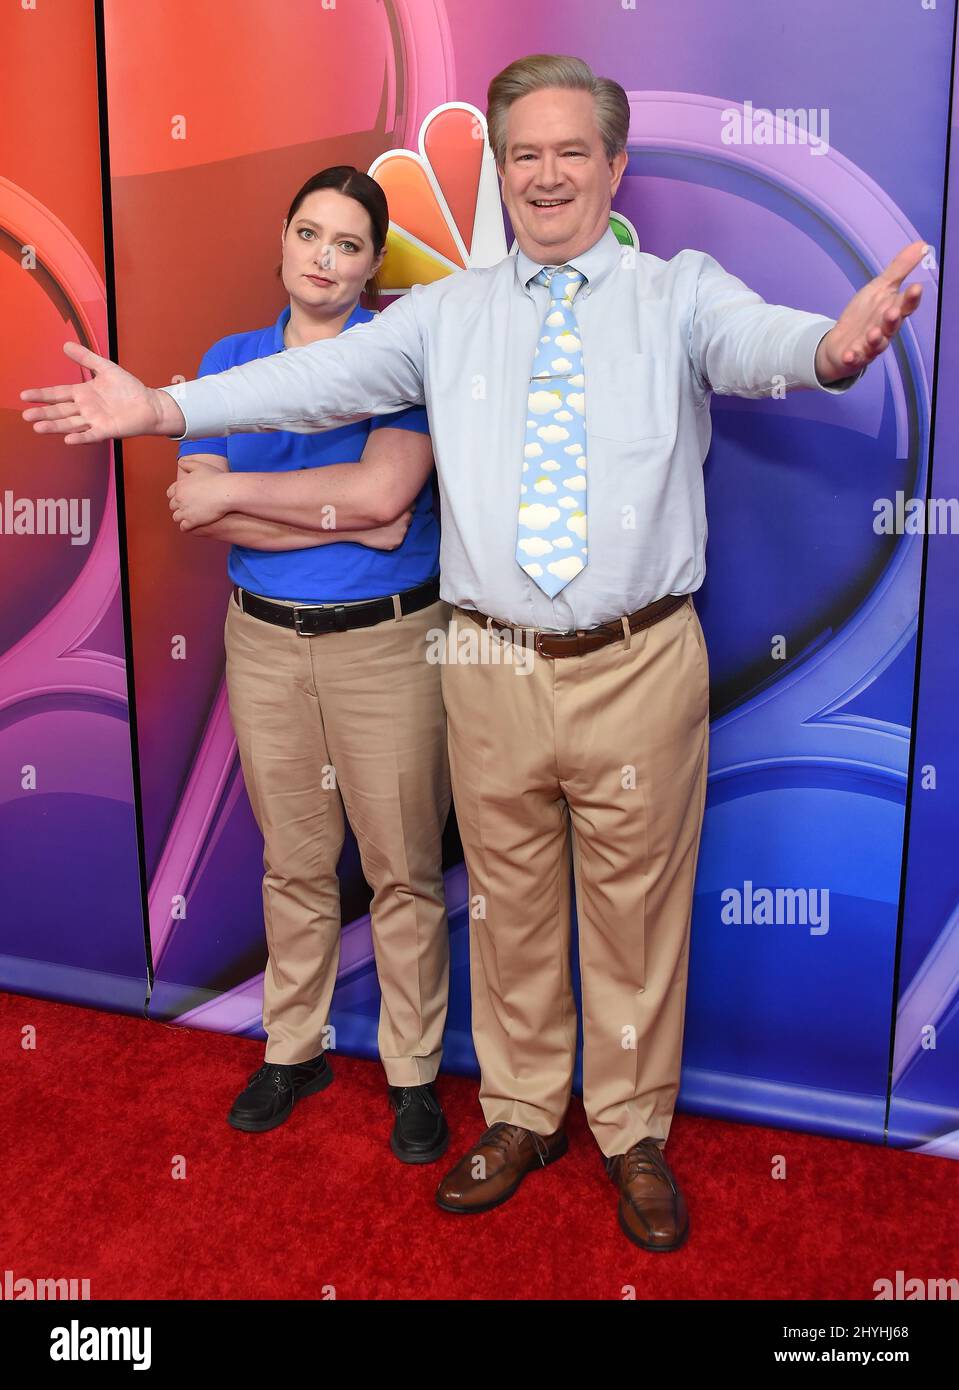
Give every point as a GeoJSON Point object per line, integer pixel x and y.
{"type": "Point", "coordinates": [557, 183]}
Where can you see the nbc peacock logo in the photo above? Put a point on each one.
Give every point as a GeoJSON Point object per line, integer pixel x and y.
{"type": "Point", "coordinates": [445, 207]}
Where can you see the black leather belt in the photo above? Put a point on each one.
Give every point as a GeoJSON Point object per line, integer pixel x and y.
{"type": "Point", "coordinates": [310, 621]}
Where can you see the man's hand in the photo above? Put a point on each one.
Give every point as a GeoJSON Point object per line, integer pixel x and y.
{"type": "Point", "coordinates": [113, 405]}
{"type": "Point", "coordinates": [871, 319]}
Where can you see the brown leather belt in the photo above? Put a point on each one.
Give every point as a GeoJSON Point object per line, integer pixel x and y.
{"type": "Point", "coordinates": [310, 621]}
{"type": "Point", "coordinates": [582, 640]}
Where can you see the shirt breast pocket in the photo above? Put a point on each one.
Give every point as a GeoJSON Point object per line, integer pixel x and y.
{"type": "Point", "coordinates": [625, 397]}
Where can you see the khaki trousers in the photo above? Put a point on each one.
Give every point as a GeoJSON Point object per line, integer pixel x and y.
{"type": "Point", "coordinates": [604, 754]}
{"type": "Point", "coordinates": [350, 720]}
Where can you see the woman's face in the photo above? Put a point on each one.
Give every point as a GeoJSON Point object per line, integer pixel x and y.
{"type": "Point", "coordinates": [328, 252]}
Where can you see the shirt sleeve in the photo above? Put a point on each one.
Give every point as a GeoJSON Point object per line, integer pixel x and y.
{"type": "Point", "coordinates": [415, 418]}
{"type": "Point", "coordinates": [374, 369]}
{"type": "Point", "coordinates": [212, 362]}
{"type": "Point", "coordinates": [740, 345]}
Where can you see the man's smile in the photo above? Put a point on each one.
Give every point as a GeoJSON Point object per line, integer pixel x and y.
{"type": "Point", "coordinates": [549, 204]}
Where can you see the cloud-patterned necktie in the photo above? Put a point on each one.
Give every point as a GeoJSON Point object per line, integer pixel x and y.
{"type": "Point", "coordinates": [551, 537]}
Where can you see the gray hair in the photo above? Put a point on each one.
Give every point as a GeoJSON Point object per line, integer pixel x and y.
{"type": "Point", "coordinates": [541, 70]}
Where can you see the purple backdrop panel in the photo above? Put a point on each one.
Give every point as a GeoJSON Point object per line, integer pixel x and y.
{"type": "Point", "coordinates": [924, 1107]}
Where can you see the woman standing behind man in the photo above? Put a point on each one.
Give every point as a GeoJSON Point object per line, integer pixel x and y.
{"type": "Point", "coordinates": [332, 699]}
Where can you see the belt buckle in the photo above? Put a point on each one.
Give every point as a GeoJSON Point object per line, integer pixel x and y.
{"type": "Point", "coordinates": [572, 632]}
{"type": "Point", "coordinates": [577, 634]}
{"type": "Point", "coordinates": [337, 614]}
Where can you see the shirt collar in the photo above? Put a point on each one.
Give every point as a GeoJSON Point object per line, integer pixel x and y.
{"type": "Point", "coordinates": [595, 262]}
{"type": "Point", "coordinates": [359, 315]}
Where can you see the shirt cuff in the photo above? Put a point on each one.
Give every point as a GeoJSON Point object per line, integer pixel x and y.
{"type": "Point", "coordinates": [806, 355]}
{"type": "Point", "coordinates": [174, 391]}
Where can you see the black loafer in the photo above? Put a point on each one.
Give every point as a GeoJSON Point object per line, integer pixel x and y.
{"type": "Point", "coordinates": [272, 1090]}
{"type": "Point", "coordinates": [420, 1133]}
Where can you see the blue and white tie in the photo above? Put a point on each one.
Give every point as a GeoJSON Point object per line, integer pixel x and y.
{"type": "Point", "coordinates": [551, 534]}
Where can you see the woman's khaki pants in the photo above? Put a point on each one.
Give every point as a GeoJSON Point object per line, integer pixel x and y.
{"type": "Point", "coordinates": [350, 720]}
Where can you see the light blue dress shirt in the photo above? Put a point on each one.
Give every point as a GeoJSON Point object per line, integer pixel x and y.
{"type": "Point", "coordinates": [658, 337]}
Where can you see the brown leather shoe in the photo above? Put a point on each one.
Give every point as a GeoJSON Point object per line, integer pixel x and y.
{"type": "Point", "coordinates": [652, 1210]}
{"type": "Point", "coordinates": [495, 1166]}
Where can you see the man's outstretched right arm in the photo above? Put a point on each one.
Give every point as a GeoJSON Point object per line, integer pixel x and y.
{"type": "Point", "coordinates": [375, 368]}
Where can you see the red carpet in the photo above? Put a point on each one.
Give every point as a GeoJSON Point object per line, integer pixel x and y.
{"type": "Point", "coordinates": [95, 1118]}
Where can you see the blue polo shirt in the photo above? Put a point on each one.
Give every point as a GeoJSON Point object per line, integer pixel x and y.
{"type": "Point", "coordinates": [342, 570]}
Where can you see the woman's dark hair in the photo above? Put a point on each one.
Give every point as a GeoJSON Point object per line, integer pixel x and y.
{"type": "Point", "coordinates": [367, 192]}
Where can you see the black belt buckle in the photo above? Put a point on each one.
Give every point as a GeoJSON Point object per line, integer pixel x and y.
{"type": "Point", "coordinates": [336, 616]}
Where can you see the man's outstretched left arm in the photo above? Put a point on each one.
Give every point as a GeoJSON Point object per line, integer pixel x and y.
{"type": "Point", "coordinates": [740, 345]}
